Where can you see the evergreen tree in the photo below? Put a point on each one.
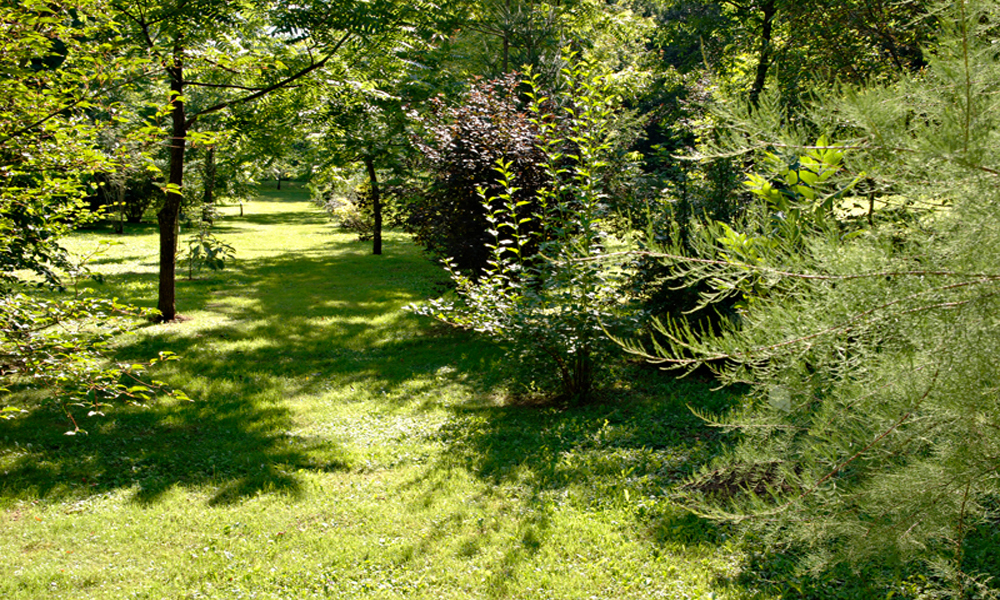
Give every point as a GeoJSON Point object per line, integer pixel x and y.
{"type": "Point", "coordinates": [868, 293]}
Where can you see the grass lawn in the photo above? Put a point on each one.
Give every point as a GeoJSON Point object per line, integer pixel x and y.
{"type": "Point", "coordinates": [339, 447]}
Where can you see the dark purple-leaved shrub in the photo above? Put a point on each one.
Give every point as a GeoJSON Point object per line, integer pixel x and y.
{"type": "Point", "coordinates": [461, 146]}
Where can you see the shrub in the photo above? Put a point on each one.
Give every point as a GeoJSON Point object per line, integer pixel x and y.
{"type": "Point", "coordinates": [206, 251]}
{"type": "Point", "coordinates": [550, 310]}
{"type": "Point", "coordinates": [461, 147]}
{"type": "Point", "coordinates": [59, 345]}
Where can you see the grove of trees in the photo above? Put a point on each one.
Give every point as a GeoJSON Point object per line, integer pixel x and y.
{"type": "Point", "coordinates": [796, 197]}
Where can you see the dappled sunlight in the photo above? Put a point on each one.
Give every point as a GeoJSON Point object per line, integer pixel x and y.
{"type": "Point", "coordinates": [285, 327]}
{"type": "Point", "coordinates": [149, 450]}
{"type": "Point", "coordinates": [362, 426]}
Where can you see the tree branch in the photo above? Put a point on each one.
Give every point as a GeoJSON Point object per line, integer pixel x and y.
{"type": "Point", "coordinates": [857, 454]}
{"type": "Point", "coordinates": [278, 85]}
{"type": "Point", "coordinates": [56, 112]}
{"type": "Point", "coordinates": [984, 277]}
{"type": "Point", "coordinates": [225, 86]}
{"type": "Point", "coordinates": [843, 326]}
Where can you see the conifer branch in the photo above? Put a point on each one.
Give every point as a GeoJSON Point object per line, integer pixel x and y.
{"type": "Point", "coordinates": [840, 467]}
{"type": "Point", "coordinates": [985, 277]}
{"type": "Point", "coordinates": [856, 146]}
{"type": "Point", "coordinates": [764, 350]}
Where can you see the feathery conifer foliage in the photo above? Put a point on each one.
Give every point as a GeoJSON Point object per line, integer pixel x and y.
{"type": "Point", "coordinates": [867, 325]}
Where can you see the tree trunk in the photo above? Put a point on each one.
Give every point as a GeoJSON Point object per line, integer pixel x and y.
{"type": "Point", "coordinates": [116, 188]}
{"type": "Point", "coordinates": [120, 194]}
{"type": "Point", "coordinates": [764, 52]}
{"type": "Point", "coordinates": [376, 206]}
{"type": "Point", "coordinates": [168, 216]}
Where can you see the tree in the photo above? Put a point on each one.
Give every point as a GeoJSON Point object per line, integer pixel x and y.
{"type": "Point", "coordinates": [57, 71]}
{"type": "Point", "coordinates": [366, 124]}
{"type": "Point", "coordinates": [491, 39]}
{"type": "Point", "coordinates": [254, 142]}
{"type": "Point", "coordinates": [52, 76]}
{"type": "Point", "coordinates": [746, 43]}
{"type": "Point", "coordinates": [866, 333]}
{"type": "Point", "coordinates": [526, 28]}
{"type": "Point", "coordinates": [370, 134]}
{"type": "Point", "coordinates": [247, 49]}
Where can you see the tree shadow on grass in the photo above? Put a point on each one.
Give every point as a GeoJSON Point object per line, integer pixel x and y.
{"type": "Point", "coordinates": [624, 452]}
{"type": "Point", "coordinates": [782, 572]}
{"type": "Point", "coordinates": [283, 327]}
{"type": "Point", "coordinates": [130, 230]}
{"type": "Point", "coordinates": [640, 440]}
{"type": "Point", "coordinates": [309, 321]}
{"type": "Point", "coordinates": [234, 447]}
{"type": "Point", "coordinates": [279, 219]}
{"type": "Point", "coordinates": [616, 455]}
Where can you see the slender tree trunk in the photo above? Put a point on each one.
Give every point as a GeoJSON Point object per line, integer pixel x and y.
{"type": "Point", "coordinates": [376, 206]}
{"type": "Point", "coordinates": [169, 215]}
{"type": "Point", "coordinates": [506, 52]}
{"type": "Point", "coordinates": [116, 187]}
{"type": "Point", "coordinates": [764, 52]}
{"type": "Point", "coordinates": [120, 193]}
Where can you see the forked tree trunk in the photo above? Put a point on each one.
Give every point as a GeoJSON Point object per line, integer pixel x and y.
{"type": "Point", "coordinates": [169, 215]}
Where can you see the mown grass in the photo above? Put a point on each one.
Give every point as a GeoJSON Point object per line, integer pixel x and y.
{"type": "Point", "coordinates": [337, 446]}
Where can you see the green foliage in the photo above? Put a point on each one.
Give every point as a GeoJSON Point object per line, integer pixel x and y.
{"type": "Point", "coordinates": [58, 344]}
{"type": "Point", "coordinates": [796, 43]}
{"type": "Point", "coordinates": [493, 38]}
{"type": "Point", "coordinates": [344, 199]}
{"type": "Point", "coordinates": [57, 72]}
{"type": "Point", "coordinates": [206, 251]}
{"type": "Point", "coordinates": [462, 146]}
{"type": "Point", "coordinates": [549, 309]}
{"type": "Point", "coordinates": [46, 144]}
{"type": "Point", "coordinates": [870, 344]}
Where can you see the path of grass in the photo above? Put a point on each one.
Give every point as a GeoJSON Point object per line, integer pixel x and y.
{"type": "Point", "coordinates": [339, 447]}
